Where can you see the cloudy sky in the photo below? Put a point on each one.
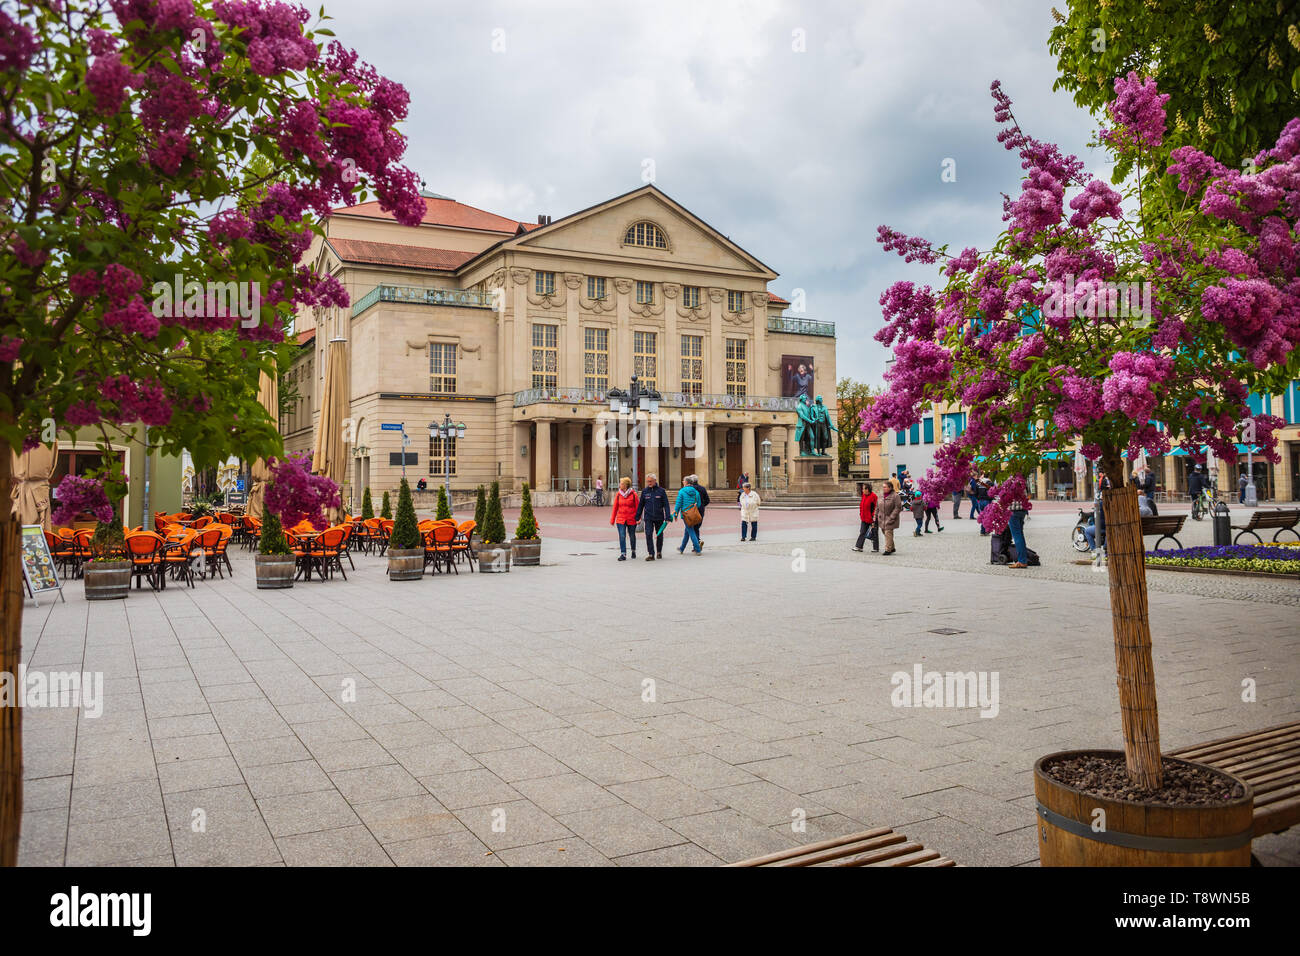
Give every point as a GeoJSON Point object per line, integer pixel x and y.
{"type": "Point", "coordinates": [550, 106]}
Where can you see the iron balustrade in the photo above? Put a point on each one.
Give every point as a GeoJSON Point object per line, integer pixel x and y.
{"type": "Point", "coordinates": [409, 295]}
{"type": "Point", "coordinates": [593, 396]}
{"type": "Point", "coordinates": [783, 323]}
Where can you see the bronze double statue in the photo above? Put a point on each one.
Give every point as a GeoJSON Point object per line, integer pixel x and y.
{"type": "Point", "coordinates": [814, 431]}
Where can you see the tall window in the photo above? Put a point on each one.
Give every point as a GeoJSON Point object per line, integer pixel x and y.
{"type": "Point", "coordinates": [544, 283]}
{"type": "Point", "coordinates": [645, 358]}
{"type": "Point", "coordinates": [437, 448]}
{"type": "Point", "coordinates": [546, 360]}
{"type": "Point", "coordinates": [442, 367]}
{"type": "Point", "coordinates": [595, 359]}
{"type": "Point", "coordinates": [735, 301]}
{"type": "Point", "coordinates": [645, 234]}
{"type": "Point", "coordinates": [645, 292]}
{"type": "Point", "coordinates": [691, 296]}
{"type": "Point", "coordinates": [737, 368]}
{"type": "Point", "coordinates": [595, 287]}
{"type": "Point", "coordinates": [693, 365]}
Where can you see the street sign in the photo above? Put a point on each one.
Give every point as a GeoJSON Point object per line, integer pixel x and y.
{"type": "Point", "coordinates": [390, 426]}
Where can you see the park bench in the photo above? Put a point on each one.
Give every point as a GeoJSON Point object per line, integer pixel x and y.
{"type": "Point", "coordinates": [1269, 760]}
{"type": "Point", "coordinates": [1284, 519]}
{"type": "Point", "coordinates": [878, 847]}
{"type": "Point", "coordinates": [1164, 525]}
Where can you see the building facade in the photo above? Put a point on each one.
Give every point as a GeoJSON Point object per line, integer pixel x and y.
{"type": "Point", "coordinates": [519, 330]}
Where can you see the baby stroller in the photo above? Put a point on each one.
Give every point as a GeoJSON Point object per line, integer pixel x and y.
{"type": "Point", "coordinates": [1077, 536]}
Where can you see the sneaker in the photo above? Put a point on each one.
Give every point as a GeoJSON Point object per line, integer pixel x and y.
{"type": "Point", "coordinates": [649, 557]}
{"type": "Point", "coordinates": [681, 550]}
{"type": "Point", "coordinates": [859, 550]}
{"type": "Point", "coordinates": [623, 557]}
{"type": "Point", "coordinates": [941, 527]}
{"type": "Point", "coordinates": [886, 553]}
{"type": "Point", "coordinates": [928, 531]}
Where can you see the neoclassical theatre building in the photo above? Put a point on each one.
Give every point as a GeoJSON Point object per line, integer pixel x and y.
{"type": "Point", "coordinates": [519, 330]}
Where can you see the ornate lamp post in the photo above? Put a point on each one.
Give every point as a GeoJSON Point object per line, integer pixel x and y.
{"type": "Point", "coordinates": [446, 430]}
{"type": "Point", "coordinates": [630, 401]}
{"type": "Point", "coordinates": [765, 474]}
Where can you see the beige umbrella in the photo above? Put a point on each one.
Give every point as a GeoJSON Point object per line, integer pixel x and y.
{"type": "Point", "coordinates": [268, 394]}
{"type": "Point", "coordinates": [31, 484]}
{"type": "Point", "coordinates": [328, 459]}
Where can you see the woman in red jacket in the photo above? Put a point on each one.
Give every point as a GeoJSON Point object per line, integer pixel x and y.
{"type": "Point", "coordinates": [867, 512]}
{"type": "Point", "coordinates": [623, 514]}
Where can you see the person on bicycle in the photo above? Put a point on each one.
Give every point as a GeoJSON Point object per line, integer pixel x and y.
{"type": "Point", "coordinates": [1195, 485]}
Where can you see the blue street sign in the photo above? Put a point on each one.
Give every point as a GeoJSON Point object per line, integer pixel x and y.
{"type": "Point", "coordinates": [390, 426]}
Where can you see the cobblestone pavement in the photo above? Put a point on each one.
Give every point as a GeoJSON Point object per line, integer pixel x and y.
{"type": "Point", "coordinates": [508, 719]}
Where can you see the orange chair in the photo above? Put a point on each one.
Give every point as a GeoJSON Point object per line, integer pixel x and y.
{"type": "Point", "coordinates": [62, 550]}
{"type": "Point", "coordinates": [207, 540]}
{"type": "Point", "coordinates": [201, 523]}
{"type": "Point", "coordinates": [329, 551]}
{"type": "Point", "coordinates": [219, 556]}
{"type": "Point", "coordinates": [437, 547]}
{"type": "Point", "coordinates": [180, 554]}
{"type": "Point", "coordinates": [461, 547]}
{"type": "Point", "coordinates": [144, 549]}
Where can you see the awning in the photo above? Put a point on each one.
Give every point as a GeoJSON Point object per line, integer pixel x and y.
{"type": "Point", "coordinates": [1241, 450]}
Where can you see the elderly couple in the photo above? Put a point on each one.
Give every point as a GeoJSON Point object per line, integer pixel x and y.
{"type": "Point", "coordinates": [879, 515]}
{"type": "Point", "coordinates": [653, 507]}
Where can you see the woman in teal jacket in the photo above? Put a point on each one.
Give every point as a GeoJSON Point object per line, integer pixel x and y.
{"type": "Point", "coordinates": [687, 497]}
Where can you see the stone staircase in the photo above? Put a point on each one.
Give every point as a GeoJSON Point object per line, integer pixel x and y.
{"type": "Point", "coordinates": [795, 501]}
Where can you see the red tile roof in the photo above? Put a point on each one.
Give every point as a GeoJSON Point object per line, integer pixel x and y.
{"type": "Point", "coordinates": [441, 212]}
{"type": "Point", "coordinates": [305, 337]}
{"type": "Point", "coordinates": [776, 298]}
{"type": "Point", "coordinates": [394, 254]}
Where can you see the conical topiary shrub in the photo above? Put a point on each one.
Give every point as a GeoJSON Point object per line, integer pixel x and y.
{"type": "Point", "coordinates": [526, 530]}
{"type": "Point", "coordinates": [444, 509]}
{"type": "Point", "coordinates": [480, 508]}
{"type": "Point", "coordinates": [494, 527]}
{"type": "Point", "coordinates": [272, 540]}
{"type": "Point", "coordinates": [367, 506]}
{"type": "Point", "coordinates": [386, 511]}
{"type": "Point", "coordinates": [406, 531]}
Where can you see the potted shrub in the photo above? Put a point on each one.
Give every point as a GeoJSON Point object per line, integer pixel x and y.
{"type": "Point", "coordinates": [293, 494]}
{"type": "Point", "coordinates": [107, 572]}
{"type": "Point", "coordinates": [480, 507]}
{"type": "Point", "coordinates": [444, 508]}
{"type": "Point", "coordinates": [493, 553]}
{"type": "Point", "coordinates": [367, 506]}
{"type": "Point", "coordinates": [386, 510]}
{"type": "Point", "coordinates": [1032, 341]}
{"type": "Point", "coordinates": [405, 547]}
{"type": "Point", "coordinates": [274, 562]}
{"type": "Point", "coordinates": [526, 548]}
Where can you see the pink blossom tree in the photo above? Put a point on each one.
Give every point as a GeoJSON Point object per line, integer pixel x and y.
{"type": "Point", "coordinates": [164, 165]}
{"type": "Point", "coordinates": [1096, 315]}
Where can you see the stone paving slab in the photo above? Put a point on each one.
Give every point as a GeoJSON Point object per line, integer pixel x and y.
{"type": "Point", "coordinates": [371, 722]}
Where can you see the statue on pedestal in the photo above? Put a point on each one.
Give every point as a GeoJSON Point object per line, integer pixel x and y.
{"type": "Point", "coordinates": [822, 430]}
{"type": "Point", "coordinates": [807, 426]}
{"type": "Point", "coordinates": [814, 431]}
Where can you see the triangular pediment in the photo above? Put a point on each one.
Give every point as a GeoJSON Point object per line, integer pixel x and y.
{"type": "Point", "coordinates": [601, 230]}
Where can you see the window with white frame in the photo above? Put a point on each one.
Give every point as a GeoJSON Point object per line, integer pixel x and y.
{"type": "Point", "coordinates": [546, 356]}
{"type": "Point", "coordinates": [544, 283]}
{"type": "Point", "coordinates": [442, 367]}
{"type": "Point", "coordinates": [645, 358]}
{"type": "Point", "coordinates": [737, 368]}
{"type": "Point", "coordinates": [595, 359]}
{"type": "Point", "coordinates": [693, 365]}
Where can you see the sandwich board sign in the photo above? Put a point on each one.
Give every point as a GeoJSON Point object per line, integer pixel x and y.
{"type": "Point", "coordinates": [39, 572]}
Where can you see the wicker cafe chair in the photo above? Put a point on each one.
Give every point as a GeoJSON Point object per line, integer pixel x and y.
{"type": "Point", "coordinates": [252, 532]}
{"type": "Point", "coordinates": [208, 539]}
{"type": "Point", "coordinates": [386, 534]}
{"type": "Point", "coordinates": [462, 546]}
{"type": "Point", "coordinates": [439, 542]}
{"type": "Point", "coordinates": [227, 531]}
{"type": "Point", "coordinates": [180, 555]}
{"type": "Point", "coordinates": [144, 550]}
{"type": "Point", "coordinates": [329, 548]}
{"type": "Point", "coordinates": [201, 523]}
{"type": "Point", "coordinates": [62, 551]}
{"type": "Point", "coordinates": [345, 549]}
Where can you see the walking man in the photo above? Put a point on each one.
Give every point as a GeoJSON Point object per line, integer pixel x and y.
{"type": "Point", "coordinates": [654, 509]}
{"type": "Point", "coordinates": [1017, 526]}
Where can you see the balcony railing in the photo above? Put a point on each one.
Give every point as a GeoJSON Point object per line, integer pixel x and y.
{"type": "Point", "coordinates": [784, 323]}
{"type": "Point", "coordinates": [412, 296]}
{"type": "Point", "coordinates": [588, 396]}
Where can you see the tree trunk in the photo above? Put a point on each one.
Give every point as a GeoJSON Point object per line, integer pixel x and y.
{"type": "Point", "coordinates": [11, 631]}
{"type": "Point", "coordinates": [1125, 557]}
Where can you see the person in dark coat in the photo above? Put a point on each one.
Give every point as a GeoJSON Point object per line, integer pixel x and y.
{"type": "Point", "coordinates": [654, 509]}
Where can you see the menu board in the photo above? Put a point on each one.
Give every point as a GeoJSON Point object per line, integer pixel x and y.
{"type": "Point", "coordinates": [38, 563]}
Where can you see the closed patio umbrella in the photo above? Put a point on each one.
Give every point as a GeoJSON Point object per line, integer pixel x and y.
{"type": "Point", "coordinates": [268, 394]}
{"type": "Point", "coordinates": [31, 484]}
{"type": "Point", "coordinates": [328, 458]}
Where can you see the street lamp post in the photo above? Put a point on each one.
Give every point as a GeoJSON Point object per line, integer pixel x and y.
{"type": "Point", "coordinates": [446, 430]}
{"type": "Point", "coordinates": [765, 478]}
{"type": "Point", "coordinates": [630, 400]}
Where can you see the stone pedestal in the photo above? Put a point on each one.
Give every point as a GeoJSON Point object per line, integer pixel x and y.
{"type": "Point", "coordinates": [813, 474]}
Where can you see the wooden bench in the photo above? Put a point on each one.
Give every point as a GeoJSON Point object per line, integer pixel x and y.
{"type": "Point", "coordinates": [1164, 525]}
{"type": "Point", "coordinates": [1269, 760]}
{"type": "Point", "coordinates": [1284, 519]}
{"type": "Point", "coordinates": [878, 847]}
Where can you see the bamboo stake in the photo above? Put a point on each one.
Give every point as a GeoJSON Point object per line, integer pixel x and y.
{"type": "Point", "coordinates": [11, 631]}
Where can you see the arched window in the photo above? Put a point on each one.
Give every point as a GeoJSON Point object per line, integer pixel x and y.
{"type": "Point", "coordinates": [645, 234]}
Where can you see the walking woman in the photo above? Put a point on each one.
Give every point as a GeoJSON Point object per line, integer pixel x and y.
{"type": "Point", "coordinates": [867, 514]}
{"type": "Point", "coordinates": [931, 513]}
{"type": "Point", "coordinates": [887, 514]}
{"type": "Point", "coordinates": [749, 502]}
{"type": "Point", "coordinates": [623, 514]}
{"type": "Point", "coordinates": [688, 509]}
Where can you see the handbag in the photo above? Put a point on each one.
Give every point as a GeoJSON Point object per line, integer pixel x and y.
{"type": "Point", "coordinates": [692, 516]}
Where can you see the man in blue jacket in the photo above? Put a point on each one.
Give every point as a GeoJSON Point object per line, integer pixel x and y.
{"type": "Point", "coordinates": [654, 509]}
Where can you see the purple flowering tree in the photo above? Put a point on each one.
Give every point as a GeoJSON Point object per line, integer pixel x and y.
{"type": "Point", "coordinates": [295, 494]}
{"type": "Point", "coordinates": [1096, 315]}
{"type": "Point", "coordinates": [163, 167]}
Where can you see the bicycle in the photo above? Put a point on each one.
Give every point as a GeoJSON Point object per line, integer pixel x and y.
{"type": "Point", "coordinates": [1202, 505]}
{"type": "Point", "coordinates": [582, 498]}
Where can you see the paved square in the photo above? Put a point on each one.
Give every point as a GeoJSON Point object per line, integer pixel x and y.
{"type": "Point", "coordinates": [686, 712]}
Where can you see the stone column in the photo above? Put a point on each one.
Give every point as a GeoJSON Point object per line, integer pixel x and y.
{"type": "Point", "coordinates": [670, 352]}
{"type": "Point", "coordinates": [620, 366]}
{"type": "Point", "coordinates": [748, 463]}
{"type": "Point", "coordinates": [702, 462]}
{"type": "Point", "coordinates": [716, 365]}
{"type": "Point", "coordinates": [517, 470]}
{"type": "Point", "coordinates": [542, 454]}
{"type": "Point", "coordinates": [517, 335]}
{"type": "Point", "coordinates": [791, 449]}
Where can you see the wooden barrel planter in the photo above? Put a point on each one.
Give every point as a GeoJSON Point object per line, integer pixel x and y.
{"type": "Point", "coordinates": [1138, 834]}
{"type": "Point", "coordinates": [526, 552]}
{"type": "Point", "coordinates": [493, 557]}
{"type": "Point", "coordinates": [107, 580]}
{"type": "Point", "coordinates": [405, 564]}
{"type": "Point", "coordinates": [275, 570]}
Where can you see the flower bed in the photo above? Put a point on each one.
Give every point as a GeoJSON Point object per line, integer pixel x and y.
{"type": "Point", "coordinates": [1268, 559]}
